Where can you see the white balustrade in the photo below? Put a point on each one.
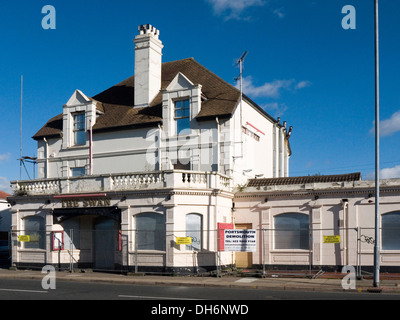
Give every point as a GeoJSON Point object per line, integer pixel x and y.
{"type": "Point", "coordinates": [126, 181]}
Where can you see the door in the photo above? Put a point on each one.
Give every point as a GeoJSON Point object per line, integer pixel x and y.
{"type": "Point", "coordinates": [104, 241]}
{"type": "Point", "coordinates": [243, 259]}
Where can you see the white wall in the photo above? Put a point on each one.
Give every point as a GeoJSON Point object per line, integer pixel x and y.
{"type": "Point", "coordinates": [5, 216]}
{"type": "Point", "coordinates": [254, 158]}
{"type": "Point", "coordinates": [328, 215]}
{"type": "Point", "coordinates": [134, 150]}
{"type": "Point", "coordinates": [213, 145]}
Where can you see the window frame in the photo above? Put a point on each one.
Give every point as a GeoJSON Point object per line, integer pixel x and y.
{"type": "Point", "coordinates": [156, 234]}
{"type": "Point", "coordinates": [195, 232]}
{"type": "Point", "coordinates": [388, 233]}
{"type": "Point", "coordinates": [301, 235]}
{"type": "Point", "coordinates": [33, 231]}
{"type": "Point", "coordinates": [183, 116]}
{"type": "Point", "coordinates": [82, 170]}
{"type": "Point", "coordinates": [79, 128]}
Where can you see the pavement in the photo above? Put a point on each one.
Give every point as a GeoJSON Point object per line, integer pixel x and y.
{"type": "Point", "coordinates": [272, 281]}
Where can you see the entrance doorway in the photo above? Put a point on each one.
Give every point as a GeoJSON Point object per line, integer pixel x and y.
{"type": "Point", "coordinates": [104, 243]}
{"type": "Point", "coordinates": [243, 259]}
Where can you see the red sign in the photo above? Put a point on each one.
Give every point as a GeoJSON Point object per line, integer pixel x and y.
{"type": "Point", "coordinates": [221, 237]}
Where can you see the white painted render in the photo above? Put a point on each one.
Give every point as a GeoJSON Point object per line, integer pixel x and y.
{"type": "Point", "coordinates": [5, 216]}
{"type": "Point", "coordinates": [342, 209]}
{"type": "Point", "coordinates": [208, 144]}
{"type": "Point", "coordinates": [135, 168]}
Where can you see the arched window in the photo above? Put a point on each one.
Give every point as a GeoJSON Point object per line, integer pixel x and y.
{"type": "Point", "coordinates": [291, 231]}
{"type": "Point", "coordinates": [391, 231]}
{"type": "Point", "coordinates": [150, 228]}
{"type": "Point", "coordinates": [35, 228]}
{"type": "Point", "coordinates": [194, 229]}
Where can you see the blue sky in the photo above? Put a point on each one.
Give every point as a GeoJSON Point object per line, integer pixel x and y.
{"type": "Point", "coordinates": [301, 66]}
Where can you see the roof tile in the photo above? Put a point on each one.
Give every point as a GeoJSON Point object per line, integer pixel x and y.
{"type": "Point", "coordinates": [304, 180]}
{"type": "Point", "coordinates": [117, 102]}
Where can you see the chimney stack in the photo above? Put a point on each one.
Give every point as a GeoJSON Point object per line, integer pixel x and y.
{"type": "Point", "coordinates": [148, 53]}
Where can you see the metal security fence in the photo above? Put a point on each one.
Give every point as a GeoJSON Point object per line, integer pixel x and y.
{"type": "Point", "coordinates": [310, 249]}
{"type": "Point", "coordinates": [107, 249]}
{"type": "Point", "coordinates": [199, 251]}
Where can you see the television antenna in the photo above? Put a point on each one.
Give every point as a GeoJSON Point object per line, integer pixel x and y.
{"type": "Point", "coordinates": [20, 130]}
{"type": "Point", "coordinates": [240, 63]}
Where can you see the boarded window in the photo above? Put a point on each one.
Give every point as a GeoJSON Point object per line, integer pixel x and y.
{"type": "Point", "coordinates": [150, 228]}
{"type": "Point", "coordinates": [292, 231]}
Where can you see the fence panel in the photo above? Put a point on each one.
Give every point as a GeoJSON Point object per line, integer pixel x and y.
{"type": "Point", "coordinates": [197, 251]}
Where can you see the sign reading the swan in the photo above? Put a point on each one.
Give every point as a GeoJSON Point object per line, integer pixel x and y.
{"type": "Point", "coordinates": [77, 203]}
{"type": "Point", "coordinates": [243, 240]}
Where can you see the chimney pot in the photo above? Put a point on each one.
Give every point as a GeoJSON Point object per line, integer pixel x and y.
{"type": "Point", "coordinates": [148, 29]}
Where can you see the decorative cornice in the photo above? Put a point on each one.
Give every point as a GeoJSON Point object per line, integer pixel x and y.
{"type": "Point", "coordinates": [319, 192]}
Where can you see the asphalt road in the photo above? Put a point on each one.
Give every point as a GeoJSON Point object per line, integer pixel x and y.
{"type": "Point", "coordinates": [73, 290]}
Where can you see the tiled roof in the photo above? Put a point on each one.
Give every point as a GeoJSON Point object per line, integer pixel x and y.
{"type": "Point", "coordinates": [304, 180]}
{"type": "Point", "coordinates": [221, 97]}
{"type": "Point", "coordinates": [53, 127]}
{"type": "Point", "coordinates": [4, 195]}
{"type": "Point", "coordinates": [117, 102]}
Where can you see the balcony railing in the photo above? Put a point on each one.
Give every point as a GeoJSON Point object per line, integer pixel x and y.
{"type": "Point", "coordinates": [124, 181]}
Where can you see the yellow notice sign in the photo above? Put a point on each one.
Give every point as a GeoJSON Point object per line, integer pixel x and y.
{"type": "Point", "coordinates": [331, 239]}
{"type": "Point", "coordinates": [183, 240]}
{"type": "Point", "coordinates": [24, 238]}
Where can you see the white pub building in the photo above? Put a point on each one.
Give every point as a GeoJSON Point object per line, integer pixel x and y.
{"type": "Point", "coordinates": [145, 175]}
{"type": "Point", "coordinates": [127, 176]}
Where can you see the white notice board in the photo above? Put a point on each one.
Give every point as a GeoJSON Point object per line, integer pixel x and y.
{"type": "Point", "coordinates": [243, 240]}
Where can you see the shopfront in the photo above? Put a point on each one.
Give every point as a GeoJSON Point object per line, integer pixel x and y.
{"type": "Point", "coordinates": [77, 231]}
{"type": "Point", "coordinates": [120, 231]}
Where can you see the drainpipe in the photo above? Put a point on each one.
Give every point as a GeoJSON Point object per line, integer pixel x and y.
{"type": "Point", "coordinates": [281, 152]}
{"type": "Point", "coordinates": [274, 145]}
{"type": "Point", "coordinates": [216, 228]}
{"type": "Point", "coordinates": [90, 147]}
{"type": "Point", "coordinates": [345, 205]}
{"type": "Point", "coordinates": [218, 144]}
{"type": "Point", "coordinates": [159, 148]}
{"type": "Point", "coordinates": [46, 154]}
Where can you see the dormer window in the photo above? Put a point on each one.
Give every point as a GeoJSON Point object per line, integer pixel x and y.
{"type": "Point", "coordinates": [182, 116]}
{"type": "Point", "coordinates": [78, 115]}
{"type": "Point", "coordinates": [79, 129]}
{"type": "Point", "coordinates": [181, 102]}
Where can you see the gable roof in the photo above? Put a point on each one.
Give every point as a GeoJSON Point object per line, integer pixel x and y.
{"type": "Point", "coordinates": [305, 179]}
{"type": "Point", "coordinates": [116, 103]}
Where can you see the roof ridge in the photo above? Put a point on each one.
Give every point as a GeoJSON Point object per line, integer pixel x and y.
{"type": "Point", "coordinates": [191, 58]}
{"type": "Point", "coordinates": [215, 75]}
{"type": "Point", "coordinates": [356, 176]}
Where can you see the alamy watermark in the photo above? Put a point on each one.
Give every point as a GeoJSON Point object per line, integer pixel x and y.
{"type": "Point", "coordinates": [186, 147]}
{"type": "Point", "coordinates": [349, 20]}
{"type": "Point", "coordinates": [349, 281]}
{"type": "Point", "coordinates": [49, 280]}
{"type": "Point", "coordinates": [49, 20]}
